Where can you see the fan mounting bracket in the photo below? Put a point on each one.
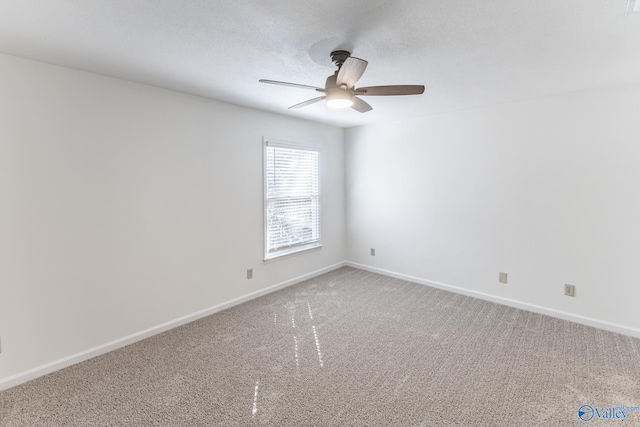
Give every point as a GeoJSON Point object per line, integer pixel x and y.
{"type": "Point", "coordinates": [339, 56]}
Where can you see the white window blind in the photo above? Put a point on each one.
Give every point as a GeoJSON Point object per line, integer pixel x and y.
{"type": "Point", "coordinates": [292, 198]}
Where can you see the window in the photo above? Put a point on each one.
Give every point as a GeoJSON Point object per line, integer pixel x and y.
{"type": "Point", "coordinates": [292, 198]}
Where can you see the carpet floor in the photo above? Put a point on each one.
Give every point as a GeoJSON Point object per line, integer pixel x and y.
{"type": "Point", "coordinates": [349, 348]}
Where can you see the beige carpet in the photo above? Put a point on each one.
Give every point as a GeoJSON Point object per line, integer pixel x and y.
{"type": "Point", "coordinates": [349, 348]}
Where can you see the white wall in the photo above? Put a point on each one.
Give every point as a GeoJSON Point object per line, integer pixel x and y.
{"type": "Point", "coordinates": [124, 206]}
{"type": "Point", "coordinates": [547, 190]}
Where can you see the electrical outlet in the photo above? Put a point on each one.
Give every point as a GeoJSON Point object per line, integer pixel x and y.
{"type": "Point", "coordinates": [373, 251]}
{"type": "Point", "coordinates": [0, 345]}
{"type": "Point", "coordinates": [249, 273]}
{"type": "Point", "coordinates": [570, 290]}
{"type": "Point", "coordinates": [502, 277]}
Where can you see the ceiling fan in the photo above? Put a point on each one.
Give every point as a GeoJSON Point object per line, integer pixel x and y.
{"type": "Point", "coordinates": [339, 89]}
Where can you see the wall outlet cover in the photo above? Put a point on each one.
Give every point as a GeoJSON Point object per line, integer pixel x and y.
{"type": "Point", "coordinates": [570, 290]}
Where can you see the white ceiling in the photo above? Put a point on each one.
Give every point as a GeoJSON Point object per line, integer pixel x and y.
{"type": "Point", "coordinates": [467, 54]}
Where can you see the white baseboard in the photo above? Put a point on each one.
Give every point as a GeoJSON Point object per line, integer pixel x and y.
{"type": "Point", "coordinates": [56, 365]}
{"type": "Point", "coordinates": [601, 324]}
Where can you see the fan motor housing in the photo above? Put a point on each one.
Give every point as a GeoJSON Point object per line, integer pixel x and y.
{"type": "Point", "coordinates": [331, 81]}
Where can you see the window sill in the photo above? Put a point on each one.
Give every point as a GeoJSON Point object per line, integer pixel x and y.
{"type": "Point", "coordinates": [292, 252]}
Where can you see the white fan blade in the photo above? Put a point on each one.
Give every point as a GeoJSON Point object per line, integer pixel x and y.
{"type": "Point", "coordinates": [275, 82]}
{"type": "Point", "coordinates": [351, 71]}
{"type": "Point", "coordinates": [360, 105]}
{"type": "Point", "coordinates": [309, 102]}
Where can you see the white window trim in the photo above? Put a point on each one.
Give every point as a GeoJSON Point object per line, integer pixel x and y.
{"type": "Point", "coordinates": [297, 250]}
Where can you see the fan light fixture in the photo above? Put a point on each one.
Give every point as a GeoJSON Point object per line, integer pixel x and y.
{"type": "Point", "coordinates": [339, 98]}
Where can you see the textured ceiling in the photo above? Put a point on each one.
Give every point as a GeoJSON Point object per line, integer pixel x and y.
{"type": "Point", "coordinates": [467, 54]}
